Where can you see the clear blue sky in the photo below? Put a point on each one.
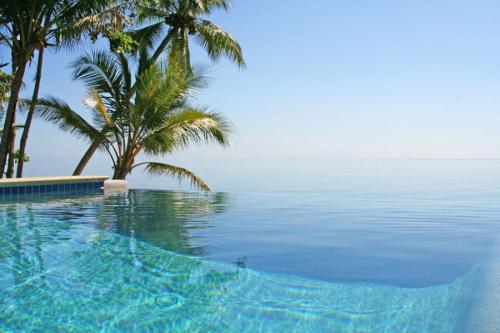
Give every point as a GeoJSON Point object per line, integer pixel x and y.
{"type": "Point", "coordinates": [337, 79]}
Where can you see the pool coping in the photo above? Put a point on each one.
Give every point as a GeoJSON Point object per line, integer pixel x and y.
{"type": "Point", "coordinates": [30, 181]}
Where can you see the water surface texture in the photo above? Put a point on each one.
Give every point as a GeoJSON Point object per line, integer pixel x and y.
{"type": "Point", "coordinates": [344, 247]}
{"type": "Point", "coordinates": [405, 223]}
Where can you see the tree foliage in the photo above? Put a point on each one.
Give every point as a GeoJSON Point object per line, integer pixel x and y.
{"type": "Point", "coordinates": [5, 83]}
{"type": "Point", "coordinates": [116, 95]}
{"type": "Point", "coordinates": [155, 118]}
{"type": "Point", "coordinates": [170, 24]}
{"type": "Point", "coordinates": [30, 25]}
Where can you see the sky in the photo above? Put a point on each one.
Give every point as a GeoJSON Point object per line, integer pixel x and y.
{"type": "Point", "coordinates": [332, 79]}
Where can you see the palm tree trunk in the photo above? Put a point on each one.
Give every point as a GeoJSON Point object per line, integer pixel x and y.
{"type": "Point", "coordinates": [163, 45]}
{"type": "Point", "coordinates": [12, 148]}
{"type": "Point", "coordinates": [120, 172]}
{"type": "Point", "coordinates": [86, 158]}
{"type": "Point", "coordinates": [8, 126]}
{"type": "Point", "coordinates": [125, 164]}
{"type": "Point", "coordinates": [119, 175]}
{"type": "Point", "coordinates": [186, 54]}
{"type": "Point", "coordinates": [29, 117]}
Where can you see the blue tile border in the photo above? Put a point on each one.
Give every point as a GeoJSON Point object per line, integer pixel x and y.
{"type": "Point", "coordinates": [60, 189]}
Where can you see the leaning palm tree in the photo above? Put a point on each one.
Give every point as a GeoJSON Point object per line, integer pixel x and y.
{"type": "Point", "coordinates": [154, 119]}
{"type": "Point", "coordinates": [5, 83]}
{"type": "Point", "coordinates": [168, 25]}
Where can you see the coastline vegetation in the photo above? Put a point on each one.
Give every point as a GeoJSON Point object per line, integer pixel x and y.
{"type": "Point", "coordinates": [138, 90]}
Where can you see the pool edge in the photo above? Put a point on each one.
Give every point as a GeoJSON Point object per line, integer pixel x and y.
{"type": "Point", "coordinates": [484, 314]}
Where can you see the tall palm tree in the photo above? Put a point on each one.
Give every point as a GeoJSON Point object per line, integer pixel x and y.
{"type": "Point", "coordinates": [29, 117]}
{"type": "Point", "coordinates": [30, 25]}
{"type": "Point", "coordinates": [14, 20]}
{"type": "Point", "coordinates": [5, 84]}
{"type": "Point", "coordinates": [172, 23]}
{"type": "Point", "coordinates": [110, 19]}
{"type": "Point", "coordinates": [154, 118]}
{"type": "Point", "coordinates": [181, 19]}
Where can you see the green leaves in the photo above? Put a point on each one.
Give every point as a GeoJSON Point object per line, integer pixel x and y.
{"type": "Point", "coordinates": [121, 41]}
{"type": "Point", "coordinates": [186, 126]}
{"type": "Point", "coordinates": [150, 114]}
{"type": "Point", "coordinates": [17, 156]}
{"type": "Point", "coordinates": [161, 169]}
{"type": "Point", "coordinates": [219, 42]}
{"type": "Point", "coordinates": [99, 17]}
{"type": "Point", "coordinates": [184, 19]}
{"type": "Point", "coordinates": [95, 102]}
{"type": "Point", "coordinates": [139, 104]}
{"type": "Point", "coordinates": [59, 113]}
{"type": "Point", "coordinates": [100, 71]}
{"type": "Point", "coordinates": [5, 82]}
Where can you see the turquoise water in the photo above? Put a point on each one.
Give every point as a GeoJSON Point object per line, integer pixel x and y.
{"type": "Point", "coordinates": [355, 251]}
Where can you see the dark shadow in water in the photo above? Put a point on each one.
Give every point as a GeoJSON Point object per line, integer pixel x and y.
{"type": "Point", "coordinates": [28, 230]}
{"type": "Point", "coordinates": [161, 218]}
{"type": "Point", "coordinates": [56, 272]}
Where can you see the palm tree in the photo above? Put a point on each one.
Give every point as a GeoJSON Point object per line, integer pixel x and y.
{"type": "Point", "coordinates": [154, 118]}
{"type": "Point", "coordinates": [29, 117]}
{"type": "Point", "coordinates": [5, 84]}
{"type": "Point", "coordinates": [177, 21]}
{"type": "Point", "coordinates": [182, 19]}
{"type": "Point", "coordinates": [13, 19]}
{"type": "Point", "coordinates": [108, 21]}
{"type": "Point", "coordinates": [30, 25]}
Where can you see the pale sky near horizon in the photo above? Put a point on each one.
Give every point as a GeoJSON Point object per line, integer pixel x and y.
{"type": "Point", "coordinates": [336, 79]}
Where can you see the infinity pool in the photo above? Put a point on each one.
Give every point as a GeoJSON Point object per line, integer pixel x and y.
{"type": "Point", "coordinates": [370, 256]}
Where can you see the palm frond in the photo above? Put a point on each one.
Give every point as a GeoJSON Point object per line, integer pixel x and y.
{"type": "Point", "coordinates": [219, 42]}
{"type": "Point", "coordinates": [59, 113]}
{"type": "Point", "coordinates": [151, 14]}
{"type": "Point", "coordinates": [125, 72]}
{"type": "Point", "coordinates": [198, 125]}
{"type": "Point", "coordinates": [161, 169]}
{"type": "Point", "coordinates": [178, 52]}
{"type": "Point", "coordinates": [74, 20]}
{"type": "Point", "coordinates": [100, 71]}
{"type": "Point", "coordinates": [148, 36]}
{"type": "Point", "coordinates": [147, 85]}
{"type": "Point", "coordinates": [95, 103]}
{"type": "Point", "coordinates": [172, 89]}
{"type": "Point", "coordinates": [187, 126]}
{"type": "Point", "coordinates": [112, 17]}
{"type": "Point", "coordinates": [219, 4]}
{"type": "Point", "coordinates": [207, 6]}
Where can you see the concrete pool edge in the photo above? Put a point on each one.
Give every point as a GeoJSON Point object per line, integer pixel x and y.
{"type": "Point", "coordinates": [116, 185]}
{"type": "Point", "coordinates": [26, 181]}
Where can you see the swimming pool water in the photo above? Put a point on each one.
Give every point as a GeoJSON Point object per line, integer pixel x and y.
{"type": "Point", "coordinates": [59, 272]}
{"type": "Point", "coordinates": [363, 256]}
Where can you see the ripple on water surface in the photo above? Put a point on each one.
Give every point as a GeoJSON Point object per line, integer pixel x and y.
{"type": "Point", "coordinates": [58, 275]}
